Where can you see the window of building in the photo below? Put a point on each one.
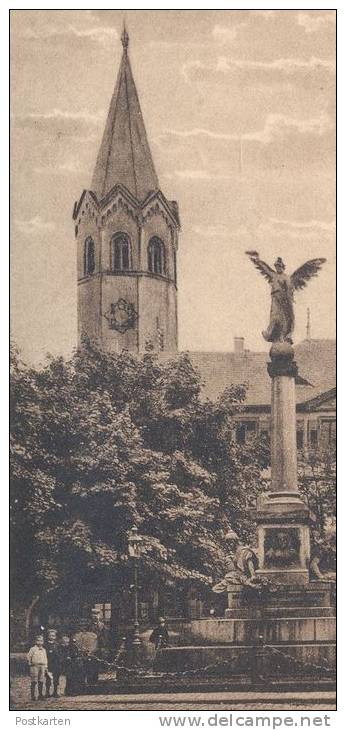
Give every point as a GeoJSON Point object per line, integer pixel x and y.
{"type": "Point", "coordinates": [313, 438]}
{"type": "Point", "coordinates": [120, 252]}
{"type": "Point", "coordinates": [240, 434]}
{"type": "Point", "coordinates": [144, 611]}
{"type": "Point", "coordinates": [156, 256]}
{"type": "Point", "coordinates": [89, 256]}
{"type": "Point", "coordinates": [245, 432]}
{"type": "Point", "coordinates": [104, 610]}
{"type": "Point", "coordinates": [300, 438]}
{"type": "Point", "coordinates": [327, 433]}
{"type": "Point", "coordinates": [265, 435]}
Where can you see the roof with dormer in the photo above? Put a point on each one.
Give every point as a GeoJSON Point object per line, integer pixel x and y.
{"type": "Point", "coordinates": [124, 156]}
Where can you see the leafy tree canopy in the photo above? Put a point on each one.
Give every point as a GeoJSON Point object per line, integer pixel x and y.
{"type": "Point", "coordinates": [102, 442]}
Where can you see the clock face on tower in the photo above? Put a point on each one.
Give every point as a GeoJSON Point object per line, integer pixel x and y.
{"type": "Point", "coordinates": [121, 316]}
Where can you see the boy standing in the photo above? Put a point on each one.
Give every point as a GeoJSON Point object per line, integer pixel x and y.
{"type": "Point", "coordinates": [37, 659]}
{"type": "Point", "coordinates": [54, 662]}
{"type": "Point", "coordinates": [160, 636]}
{"type": "Point", "coordinates": [66, 667]}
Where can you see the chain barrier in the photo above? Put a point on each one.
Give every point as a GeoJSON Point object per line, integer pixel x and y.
{"type": "Point", "coordinates": [138, 672]}
{"type": "Point", "coordinates": [294, 660]}
{"type": "Point", "coordinates": [144, 673]}
{"type": "Point", "coordinates": [120, 651]}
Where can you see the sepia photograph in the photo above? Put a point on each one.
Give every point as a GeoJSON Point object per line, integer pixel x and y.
{"type": "Point", "coordinates": [172, 360]}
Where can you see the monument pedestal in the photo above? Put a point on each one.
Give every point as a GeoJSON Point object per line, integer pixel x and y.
{"type": "Point", "coordinates": [313, 600]}
{"type": "Point", "coordinates": [283, 517]}
{"type": "Point", "coordinates": [283, 528]}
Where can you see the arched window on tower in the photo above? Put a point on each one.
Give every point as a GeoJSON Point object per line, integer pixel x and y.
{"type": "Point", "coordinates": [120, 252]}
{"type": "Point", "coordinates": [156, 256]}
{"type": "Point", "coordinates": [89, 256]}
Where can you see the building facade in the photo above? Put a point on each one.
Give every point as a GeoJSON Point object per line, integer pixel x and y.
{"type": "Point", "coordinates": [126, 235]}
{"type": "Point", "coordinates": [315, 390]}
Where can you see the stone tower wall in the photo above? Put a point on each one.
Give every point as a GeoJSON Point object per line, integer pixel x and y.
{"type": "Point", "coordinates": [153, 297]}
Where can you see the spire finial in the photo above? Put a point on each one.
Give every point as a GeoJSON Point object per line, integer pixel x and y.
{"type": "Point", "coordinates": [308, 324]}
{"type": "Point", "coordinates": [125, 38]}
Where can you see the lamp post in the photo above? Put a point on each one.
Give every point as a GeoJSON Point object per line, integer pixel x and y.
{"type": "Point", "coordinates": [135, 552]}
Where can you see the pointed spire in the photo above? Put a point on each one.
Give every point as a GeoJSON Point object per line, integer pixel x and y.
{"type": "Point", "coordinates": [124, 156]}
{"type": "Point", "coordinates": [308, 324]}
{"type": "Point", "coordinates": [125, 38]}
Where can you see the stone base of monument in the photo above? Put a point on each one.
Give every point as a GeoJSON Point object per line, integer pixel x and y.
{"type": "Point", "coordinates": [249, 661]}
{"type": "Point", "coordinates": [283, 655]}
{"type": "Point", "coordinates": [283, 633]}
{"type": "Point", "coordinates": [279, 638]}
{"type": "Point", "coordinates": [281, 601]}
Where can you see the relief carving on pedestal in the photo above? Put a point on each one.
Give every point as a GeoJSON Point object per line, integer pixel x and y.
{"type": "Point", "coordinates": [282, 547]}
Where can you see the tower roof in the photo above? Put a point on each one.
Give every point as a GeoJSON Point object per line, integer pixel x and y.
{"type": "Point", "coordinates": [124, 156]}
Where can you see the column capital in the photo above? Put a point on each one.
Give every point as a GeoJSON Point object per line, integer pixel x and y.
{"type": "Point", "coordinates": [282, 360]}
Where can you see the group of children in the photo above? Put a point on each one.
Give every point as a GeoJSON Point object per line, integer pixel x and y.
{"type": "Point", "coordinates": [78, 659]}
{"type": "Point", "coordinates": [50, 660]}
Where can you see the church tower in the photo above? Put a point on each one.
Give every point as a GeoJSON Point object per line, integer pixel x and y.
{"type": "Point", "coordinates": [127, 237]}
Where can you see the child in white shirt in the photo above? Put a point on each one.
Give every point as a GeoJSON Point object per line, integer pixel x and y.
{"type": "Point", "coordinates": [38, 664]}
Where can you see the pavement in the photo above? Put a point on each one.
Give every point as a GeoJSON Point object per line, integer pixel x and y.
{"type": "Point", "coordinates": [175, 701]}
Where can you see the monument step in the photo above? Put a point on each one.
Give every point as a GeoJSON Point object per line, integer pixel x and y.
{"type": "Point", "coordinates": [256, 662]}
{"type": "Point", "coordinates": [270, 630]}
{"type": "Point", "coordinates": [313, 595]}
{"type": "Point", "coordinates": [281, 612]}
{"type": "Point", "coordinates": [275, 690]}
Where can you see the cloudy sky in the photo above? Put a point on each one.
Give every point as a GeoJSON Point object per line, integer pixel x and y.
{"type": "Point", "coordinates": [239, 111]}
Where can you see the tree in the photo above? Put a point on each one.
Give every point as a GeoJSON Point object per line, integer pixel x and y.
{"type": "Point", "coordinates": [102, 442]}
{"type": "Point", "coordinates": [316, 477]}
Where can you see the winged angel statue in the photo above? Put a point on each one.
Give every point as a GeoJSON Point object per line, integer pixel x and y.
{"type": "Point", "coordinates": [281, 323]}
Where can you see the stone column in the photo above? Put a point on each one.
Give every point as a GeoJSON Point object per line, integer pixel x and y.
{"type": "Point", "coordinates": [282, 514]}
{"type": "Point", "coordinates": [283, 436]}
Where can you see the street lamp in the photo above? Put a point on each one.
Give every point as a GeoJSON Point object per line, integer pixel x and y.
{"type": "Point", "coordinates": [135, 552]}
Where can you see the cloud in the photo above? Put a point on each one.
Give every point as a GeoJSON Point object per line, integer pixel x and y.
{"type": "Point", "coordinates": [217, 231]}
{"type": "Point", "coordinates": [308, 230]}
{"type": "Point", "coordinates": [275, 126]}
{"type": "Point", "coordinates": [59, 114]}
{"type": "Point", "coordinates": [59, 122]}
{"type": "Point", "coordinates": [312, 230]}
{"type": "Point", "coordinates": [196, 175]}
{"type": "Point", "coordinates": [316, 225]}
{"type": "Point", "coordinates": [70, 167]}
{"type": "Point", "coordinates": [280, 230]}
{"type": "Point", "coordinates": [199, 132]}
{"type": "Point", "coordinates": [174, 45]}
{"type": "Point", "coordinates": [286, 66]}
{"type": "Point", "coordinates": [34, 225]}
{"type": "Point", "coordinates": [279, 125]}
{"type": "Point", "coordinates": [311, 22]}
{"type": "Point", "coordinates": [226, 33]}
{"type": "Point", "coordinates": [99, 34]}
